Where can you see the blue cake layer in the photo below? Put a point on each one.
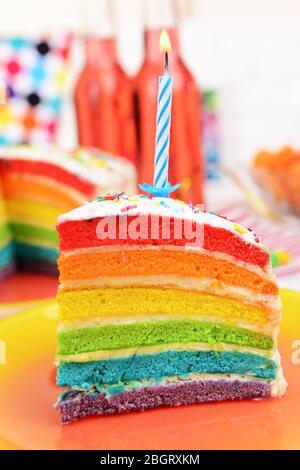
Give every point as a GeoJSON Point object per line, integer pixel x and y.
{"type": "Point", "coordinates": [157, 366]}
{"type": "Point", "coordinates": [34, 252]}
{"type": "Point", "coordinates": [6, 255]}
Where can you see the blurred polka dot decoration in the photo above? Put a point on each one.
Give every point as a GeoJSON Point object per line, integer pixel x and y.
{"type": "Point", "coordinates": [33, 74]}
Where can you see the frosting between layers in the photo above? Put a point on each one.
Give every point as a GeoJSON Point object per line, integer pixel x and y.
{"type": "Point", "coordinates": [266, 329]}
{"type": "Point", "coordinates": [121, 353]}
{"type": "Point", "coordinates": [185, 283]}
{"type": "Point", "coordinates": [165, 381]}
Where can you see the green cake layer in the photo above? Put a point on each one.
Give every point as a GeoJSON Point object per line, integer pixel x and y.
{"type": "Point", "coordinates": [4, 233]}
{"type": "Point", "coordinates": [35, 232]}
{"type": "Point", "coordinates": [75, 341]}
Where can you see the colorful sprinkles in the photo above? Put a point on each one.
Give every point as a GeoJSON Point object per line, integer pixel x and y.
{"type": "Point", "coordinates": [239, 229]}
{"type": "Point", "coordinates": [164, 204]}
{"type": "Point", "coordinates": [128, 208]}
{"type": "Point", "coordinates": [175, 206]}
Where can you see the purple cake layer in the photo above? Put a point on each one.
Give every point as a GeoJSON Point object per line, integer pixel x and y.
{"type": "Point", "coordinates": [7, 271]}
{"type": "Point", "coordinates": [76, 405]}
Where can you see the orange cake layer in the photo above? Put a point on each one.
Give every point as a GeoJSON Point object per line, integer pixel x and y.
{"type": "Point", "coordinates": [32, 188]}
{"type": "Point", "coordinates": [90, 265]}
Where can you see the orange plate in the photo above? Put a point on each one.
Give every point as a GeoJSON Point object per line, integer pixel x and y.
{"type": "Point", "coordinates": [28, 391]}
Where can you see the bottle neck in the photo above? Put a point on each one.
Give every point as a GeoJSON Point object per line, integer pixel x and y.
{"type": "Point", "coordinates": [152, 52]}
{"type": "Point", "coordinates": [100, 52]}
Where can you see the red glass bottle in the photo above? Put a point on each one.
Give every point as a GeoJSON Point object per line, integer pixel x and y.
{"type": "Point", "coordinates": [186, 158]}
{"type": "Point", "coordinates": [104, 101]}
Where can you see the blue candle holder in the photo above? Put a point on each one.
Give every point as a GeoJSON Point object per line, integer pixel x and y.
{"type": "Point", "coordinates": [165, 191]}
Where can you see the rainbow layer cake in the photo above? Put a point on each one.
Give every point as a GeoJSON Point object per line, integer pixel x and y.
{"type": "Point", "coordinates": [162, 304]}
{"type": "Point", "coordinates": [40, 183]}
{"type": "Point", "coordinates": [7, 264]}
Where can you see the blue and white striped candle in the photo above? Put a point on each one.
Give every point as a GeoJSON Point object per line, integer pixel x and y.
{"type": "Point", "coordinates": [163, 120]}
{"type": "Point", "coordinates": [163, 126]}
{"type": "Point", "coordinates": [161, 186]}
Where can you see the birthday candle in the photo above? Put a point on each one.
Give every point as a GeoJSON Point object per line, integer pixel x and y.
{"type": "Point", "coordinates": [161, 186]}
{"type": "Point", "coordinates": [163, 120]}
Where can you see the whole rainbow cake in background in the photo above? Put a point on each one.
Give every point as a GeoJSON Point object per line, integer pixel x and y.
{"type": "Point", "coordinates": [149, 316]}
{"type": "Point", "coordinates": [38, 184]}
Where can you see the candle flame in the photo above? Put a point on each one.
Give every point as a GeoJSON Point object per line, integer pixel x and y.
{"type": "Point", "coordinates": [164, 42]}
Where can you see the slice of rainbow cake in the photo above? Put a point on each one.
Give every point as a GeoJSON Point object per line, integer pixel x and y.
{"type": "Point", "coordinates": [162, 304]}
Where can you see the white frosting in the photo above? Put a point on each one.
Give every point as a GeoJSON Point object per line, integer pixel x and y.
{"type": "Point", "coordinates": [97, 167]}
{"type": "Point", "coordinates": [156, 349]}
{"type": "Point", "coordinates": [169, 380]}
{"type": "Point", "coordinates": [156, 206]}
{"type": "Point", "coordinates": [121, 320]}
{"type": "Point", "coordinates": [279, 385]}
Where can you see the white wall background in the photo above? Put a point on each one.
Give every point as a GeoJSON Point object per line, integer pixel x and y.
{"type": "Point", "coordinates": [248, 49]}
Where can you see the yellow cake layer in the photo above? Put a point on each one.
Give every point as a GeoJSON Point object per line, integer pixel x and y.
{"type": "Point", "coordinates": [90, 303]}
{"type": "Point", "coordinates": [3, 215]}
{"type": "Point", "coordinates": [32, 212]}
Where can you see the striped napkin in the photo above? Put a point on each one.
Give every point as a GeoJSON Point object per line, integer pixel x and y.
{"type": "Point", "coordinates": [283, 237]}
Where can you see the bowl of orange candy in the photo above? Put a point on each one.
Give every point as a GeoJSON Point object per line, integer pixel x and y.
{"type": "Point", "coordinates": [278, 173]}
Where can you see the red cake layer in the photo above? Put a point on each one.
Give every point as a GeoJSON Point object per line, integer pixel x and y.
{"type": "Point", "coordinates": [83, 234]}
{"type": "Point", "coordinates": [51, 171]}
